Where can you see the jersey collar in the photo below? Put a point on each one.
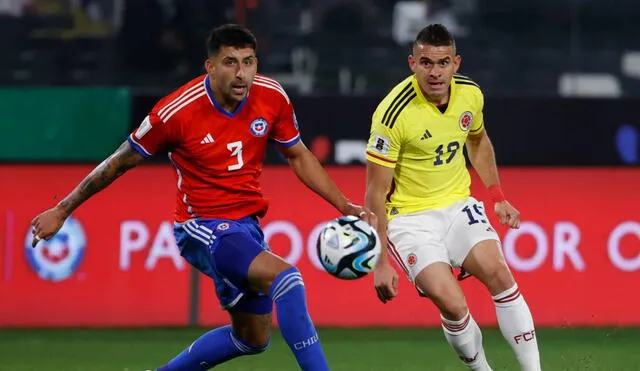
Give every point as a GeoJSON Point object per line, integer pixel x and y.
{"type": "Point", "coordinates": [215, 104]}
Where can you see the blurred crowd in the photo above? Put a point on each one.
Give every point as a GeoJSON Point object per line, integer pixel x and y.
{"type": "Point", "coordinates": [546, 47]}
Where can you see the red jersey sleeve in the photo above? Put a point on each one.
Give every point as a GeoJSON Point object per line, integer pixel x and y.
{"type": "Point", "coordinates": [285, 130]}
{"type": "Point", "coordinates": [150, 137]}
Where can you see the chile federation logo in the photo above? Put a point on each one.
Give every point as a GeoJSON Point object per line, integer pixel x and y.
{"type": "Point", "coordinates": [259, 127]}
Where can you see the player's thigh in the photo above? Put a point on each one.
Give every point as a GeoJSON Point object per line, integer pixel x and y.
{"type": "Point", "coordinates": [224, 250]}
{"type": "Point", "coordinates": [469, 226]}
{"type": "Point", "coordinates": [415, 241]}
{"type": "Point", "coordinates": [474, 245]}
{"type": "Point", "coordinates": [437, 283]}
{"type": "Point", "coordinates": [486, 262]}
{"type": "Point", "coordinates": [244, 262]}
{"type": "Point", "coordinates": [252, 328]}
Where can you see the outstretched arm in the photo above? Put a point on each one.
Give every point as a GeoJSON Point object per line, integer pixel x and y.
{"type": "Point", "coordinates": [309, 170]}
{"type": "Point", "coordinates": [47, 224]}
{"type": "Point", "coordinates": [123, 159]}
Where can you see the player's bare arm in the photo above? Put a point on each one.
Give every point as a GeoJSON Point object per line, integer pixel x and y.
{"type": "Point", "coordinates": [47, 224]}
{"type": "Point", "coordinates": [309, 170]}
{"type": "Point", "coordinates": [378, 183]}
{"type": "Point", "coordinates": [483, 159]}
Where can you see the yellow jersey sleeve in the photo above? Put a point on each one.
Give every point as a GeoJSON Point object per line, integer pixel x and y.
{"type": "Point", "coordinates": [384, 143]}
{"type": "Point", "coordinates": [478, 122]}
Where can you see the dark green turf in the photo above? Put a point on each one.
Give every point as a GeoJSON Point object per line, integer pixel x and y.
{"type": "Point", "coordinates": [348, 350]}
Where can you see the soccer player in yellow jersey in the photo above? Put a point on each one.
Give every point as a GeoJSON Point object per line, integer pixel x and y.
{"type": "Point", "coordinates": [417, 177]}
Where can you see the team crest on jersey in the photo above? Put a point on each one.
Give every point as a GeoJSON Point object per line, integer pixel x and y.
{"type": "Point", "coordinates": [259, 127]}
{"type": "Point", "coordinates": [223, 226]}
{"type": "Point", "coordinates": [466, 119]}
{"type": "Point", "coordinates": [58, 258]}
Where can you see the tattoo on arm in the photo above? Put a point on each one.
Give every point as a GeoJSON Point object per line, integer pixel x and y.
{"type": "Point", "coordinates": [123, 159]}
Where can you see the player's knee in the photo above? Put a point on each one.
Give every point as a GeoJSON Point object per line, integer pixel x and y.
{"type": "Point", "coordinates": [260, 348]}
{"type": "Point", "coordinates": [253, 345]}
{"type": "Point", "coordinates": [501, 279]}
{"type": "Point", "coordinates": [276, 274]}
{"type": "Point", "coordinates": [265, 270]}
{"type": "Point", "coordinates": [454, 310]}
{"type": "Point", "coordinates": [449, 300]}
{"type": "Point", "coordinates": [284, 282]}
{"type": "Point", "coordinates": [452, 307]}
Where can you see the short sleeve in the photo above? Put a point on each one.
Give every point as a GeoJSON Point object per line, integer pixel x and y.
{"type": "Point", "coordinates": [285, 130]}
{"type": "Point", "coordinates": [477, 125]}
{"type": "Point", "coordinates": [384, 143]}
{"type": "Point", "coordinates": [150, 137]}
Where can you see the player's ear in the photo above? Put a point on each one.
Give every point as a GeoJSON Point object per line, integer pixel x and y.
{"type": "Point", "coordinates": [208, 65]}
{"type": "Point", "coordinates": [412, 63]}
{"type": "Point", "coordinates": [456, 63]}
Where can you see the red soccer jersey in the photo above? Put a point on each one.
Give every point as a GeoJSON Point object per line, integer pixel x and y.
{"type": "Point", "coordinates": [218, 155]}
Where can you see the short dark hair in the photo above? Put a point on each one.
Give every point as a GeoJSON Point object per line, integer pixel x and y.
{"type": "Point", "coordinates": [436, 35]}
{"type": "Point", "coordinates": [234, 35]}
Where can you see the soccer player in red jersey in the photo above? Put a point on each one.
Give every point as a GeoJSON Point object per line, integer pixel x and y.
{"type": "Point", "coordinates": [216, 129]}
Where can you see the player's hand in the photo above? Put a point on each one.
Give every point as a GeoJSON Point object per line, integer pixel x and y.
{"type": "Point", "coordinates": [361, 212]}
{"type": "Point", "coordinates": [508, 214]}
{"type": "Point", "coordinates": [47, 224]}
{"type": "Point", "coordinates": [385, 280]}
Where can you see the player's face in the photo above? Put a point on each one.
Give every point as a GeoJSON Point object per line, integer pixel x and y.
{"type": "Point", "coordinates": [232, 71]}
{"type": "Point", "coordinates": [434, 67]}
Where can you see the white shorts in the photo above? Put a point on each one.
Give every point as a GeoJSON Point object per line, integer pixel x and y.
{"type": "Point", "coordinates": [441, 235]}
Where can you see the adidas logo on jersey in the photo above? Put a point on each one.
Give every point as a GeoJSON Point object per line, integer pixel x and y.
{"type": "Point", "coordinates": [426, 135]}
{"type": "Point", "coordinates": [207, 139]}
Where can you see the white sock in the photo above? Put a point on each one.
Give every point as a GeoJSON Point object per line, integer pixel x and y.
{"type": "Point", "coordinates": [466, 339]}
{"type": "Point", "coordinates": [516, 324]}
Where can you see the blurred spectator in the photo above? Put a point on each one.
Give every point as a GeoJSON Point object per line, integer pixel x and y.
{"type": "Point", "coordinates": [167, 37]}
{"type": "Point", "coordinates": [147, 45]}
{"type": "Point", "coordinates": [409, 17]}
{"type": "Point", "coordinates": [191, 24]}
{"type": "Point", "coordinates": [14, 8]}
{"type": "Point", "coordinates": [11, 22]}
{"type": "Point", "coordinates": [318, 44]}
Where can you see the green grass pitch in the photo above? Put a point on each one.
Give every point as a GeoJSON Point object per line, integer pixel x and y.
{"type": "Point", "coordinates": [347, 349]}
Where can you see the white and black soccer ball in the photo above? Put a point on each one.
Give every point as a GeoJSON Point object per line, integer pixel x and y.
{"type": "Point", "coordinates": [348, 247]}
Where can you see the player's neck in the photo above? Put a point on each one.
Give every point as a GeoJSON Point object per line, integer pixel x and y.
{"type": "Point", "coordinates": [438, 101]}
{"type": "Point", "coordinates": [228, 105]}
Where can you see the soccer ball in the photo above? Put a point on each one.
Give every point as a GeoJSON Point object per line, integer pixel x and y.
{"type": "Point", "coordinates": [348, 247]}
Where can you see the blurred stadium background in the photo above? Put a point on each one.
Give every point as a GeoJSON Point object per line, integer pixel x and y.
{"type": "Point", "coordinates": [562, 86]}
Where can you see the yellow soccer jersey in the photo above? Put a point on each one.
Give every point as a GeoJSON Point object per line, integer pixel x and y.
{"type": "Point", "coordinates": [424, 145]}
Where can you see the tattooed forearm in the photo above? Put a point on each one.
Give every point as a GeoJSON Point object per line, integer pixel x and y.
{"type": "Point", "coordinates": [123, 159]}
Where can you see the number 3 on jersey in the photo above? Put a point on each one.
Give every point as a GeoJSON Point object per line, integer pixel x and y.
{"type": "Point", "coordinates": [236, 150]}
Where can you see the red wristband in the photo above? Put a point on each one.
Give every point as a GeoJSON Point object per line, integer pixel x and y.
{"type": "Point", "coordinates": [495, 192]}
